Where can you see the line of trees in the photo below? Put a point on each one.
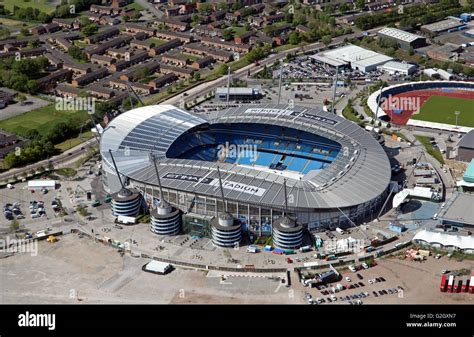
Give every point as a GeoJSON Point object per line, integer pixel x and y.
{"type": "Point", "coordinates": [21, 74]}
{"type": "Point", "coordinates": [413, 15]}
{"type": "Point", "coordinates": [67, 8]}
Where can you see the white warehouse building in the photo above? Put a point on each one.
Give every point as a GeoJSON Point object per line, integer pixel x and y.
{"type": "Point", "coordinates": [395, 67]}
{"type": "Point", "coordinates": [352, 56]}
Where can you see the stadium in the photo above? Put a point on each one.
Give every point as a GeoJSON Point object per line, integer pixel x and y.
{"type": "Point", "coordinates": [332, 169]}
{"type": "Point", "coordinates": [428, 104]}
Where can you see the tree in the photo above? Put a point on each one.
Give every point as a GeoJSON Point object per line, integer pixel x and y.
{"type": "Point", "coordinates": [360, 4]}
{"type": "Point", "coordinates": [294, 38]}
{"type": "Point", "coordinates": [25, 31]}
{"type": "Point", "coordinates": [22, 98]}
{"type": "Point", "coordinates": [228, 34]}
{"type": "Point", "coordinates": [196, 76]}
{"type": "Point", "coordinates": [343, 7]}
{"type": "Point", "coordinates": [33, 44]}
{"type": "Point", "coordinates": [4, 32]}
{"type": "Point", "coordinates": [89, 29]}
{"type": "Point", "coordinates": [223, 69]}
{"type": "Point", "coordinates": [326, 39]}
{"type": "Point", "coordinates": [14, 225]}
{"type": "Point", "coordinates": [411, 52]}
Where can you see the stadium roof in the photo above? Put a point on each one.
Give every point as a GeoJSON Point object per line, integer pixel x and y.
{"type": "Point", "coordinates": [359, 173]}
{"type": "Point", "coordinates": [461, 242]}
{"type": "Point", "coordinates": [399, 34]}
{"type": "Point", "coordinates": [468, 140]}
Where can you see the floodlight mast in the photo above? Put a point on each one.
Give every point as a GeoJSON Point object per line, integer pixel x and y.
{"type": "Point", "coordinates": [222, 189]}
{"type": "Point", "coordinates": [286, 197]}
{"type": "Point", "coordinates": [116, 169]}
{"type": "Point", "coordinates": [334, 91]}
{"type": "Point", "coordinates": [153, 157]}
{"type": "Point", "coordinates": [378, 103]}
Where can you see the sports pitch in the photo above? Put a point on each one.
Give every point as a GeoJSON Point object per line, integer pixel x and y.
{"type": "Point", "coordinates": [440, 109]}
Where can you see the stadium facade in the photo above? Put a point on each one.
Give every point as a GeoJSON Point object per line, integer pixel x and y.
{"type": "Point", "coordinates": [332, 168]}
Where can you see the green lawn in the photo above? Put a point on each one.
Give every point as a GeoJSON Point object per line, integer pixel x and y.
{"type": "Point", "coordinates": [45, 6]}
{"type": "Point", "coordinates": [440, 109]}
{"type": "Point", "coordinates": [80, 44]}
{"type": "Point", "coordinates": [42, 119]}
{"type": "Point", "coordinates": [238, 30]}
{"type": "Point", "coordinates": [70, 143]}
{"type": "Point", "coordinates": [135, 6]}
{"type": "Point", "coordinates": [436, 153]}
{"type": "Point", "coordinates": [156, 41]}
{"type": "Point", "coordinates": [190, 57]}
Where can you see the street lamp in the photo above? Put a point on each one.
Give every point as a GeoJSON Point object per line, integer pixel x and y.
{"type": "Point", "coordinates": [457, 113]}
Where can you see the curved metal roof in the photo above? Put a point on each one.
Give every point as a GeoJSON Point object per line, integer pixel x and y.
{"type": "Point", "coordinates": [359, 173]}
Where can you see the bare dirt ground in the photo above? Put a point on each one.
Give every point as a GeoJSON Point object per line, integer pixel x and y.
{"type": "Point", "coordinates": [16, 109]}
{"type": "Point", "coordinates": [77, 270]}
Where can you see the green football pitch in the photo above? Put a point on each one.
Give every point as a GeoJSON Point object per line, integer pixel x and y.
{"type": "Point", "coordinates": [440, 109]}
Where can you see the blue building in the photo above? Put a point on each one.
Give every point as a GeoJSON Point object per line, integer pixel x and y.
{"type": "Point", "coordinates": [397, 228]}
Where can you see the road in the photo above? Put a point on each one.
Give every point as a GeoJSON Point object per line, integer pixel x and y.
{"type": "Point", "coordinates": [150, 7]}
{"type": "Point", "coordinates": [59, 161]}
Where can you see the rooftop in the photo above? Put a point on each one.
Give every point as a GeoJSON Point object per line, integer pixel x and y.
{"type": "Point", "coordinates": [459, 209]}
{"type": "Point", "coordinates": [399, 34]}
{"type": "Point", "coordinates": [441, 26]}
{"type": "Point", "coordinates": [468, 140]}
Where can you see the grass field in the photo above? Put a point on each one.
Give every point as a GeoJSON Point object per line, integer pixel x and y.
{"type": "Point", "coordinates": [440, 109]}
{"type": "Point", "coordinates": [156, 41]}
{"type": "Point", "coordinates": [16, 23]}
{"type": "Point", "coordinates": [70, 143]}
{"type": "Point", "coordinates": [42, 119]}
{"type": "Point", "coordinates": [435, 152]}
{"type": "Point", "coordinates": [46, 6]}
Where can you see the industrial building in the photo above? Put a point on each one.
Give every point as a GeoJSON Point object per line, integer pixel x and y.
{"type": "Point", "coordinates": [351, 56]}
{"type": "Point", "coordinates": [466, 147]}
{"type": "Point", "coordinates": [395, 67]}
{"type": "Point", "coordinates": [237, 93]}
{"type": "Point", "coordinates": [403, 39]}
{"type": "Point", "coordinates": [332, 169]}
{"type": "Point", "coordinates": [439, 27]}
{"type": "Point", "coordinates": [458, 211]}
